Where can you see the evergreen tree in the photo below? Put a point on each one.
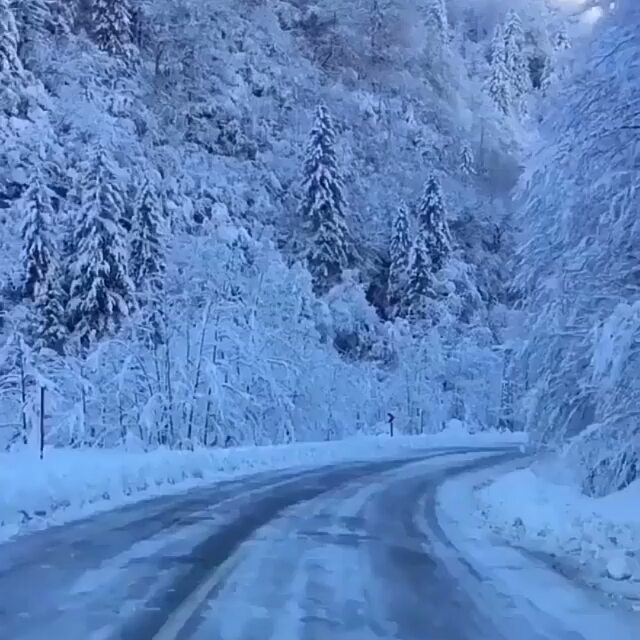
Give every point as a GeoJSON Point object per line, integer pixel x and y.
{"type": "Point", "coordinates": [41, 267]}
{"type": "Point", "coordinates": [102, 294]}
{"type": "Point", "coordinates": [561, 41]}
{"type": "Point", "coordinates": [38, 253]}
{"type": "Point", "coordinates": [11, 68]}
{"type": "Point", "coordinates": [514, 56]}
{"type": "Point", "coordinates": [467, 161]}
{"type": "Point", "coordinates": [376, 26]}
{"type": "Point", "coordinates": [399, 254]}
{"type": "Point", "coordinates": [322, 207]}
{"type": "Point", "coordinates": [112, 27]}
{"type": "Point", "coordinates": [433, 228]}
{"type": "Point", "coordinates": [64, 14]}
{"type": "Point", "coordinates": [547, 76]}
{"type": "Point", "coordinates": [437, 18]}
{"type": "Point", "coordinates": [147, 246]}
{"type": "Point", "coordinates": [32, 18]}
{"type": "Point", "coordinates": [420, 292]}
{"type": "Point", "coordinates": [50, 325]}
{"type": "Point", "coordinates": [499, 81]}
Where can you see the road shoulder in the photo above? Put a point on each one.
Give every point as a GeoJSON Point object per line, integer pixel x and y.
{"type": "Point", "coordinates": [521, 577]}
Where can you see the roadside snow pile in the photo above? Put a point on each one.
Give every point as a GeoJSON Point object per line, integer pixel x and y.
{"type": "Point", "coordinates": [69, 483]}
{"type": "Point", "coordinates": [599, 536]}
{"type": "Point", "coordinates": [502, 563]}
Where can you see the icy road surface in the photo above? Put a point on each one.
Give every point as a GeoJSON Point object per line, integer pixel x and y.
{"type": "Point", "coordinates": [346, 552]}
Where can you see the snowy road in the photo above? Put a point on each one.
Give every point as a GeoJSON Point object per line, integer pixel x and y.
{"type": "Point", "coordinates": [344, 552]}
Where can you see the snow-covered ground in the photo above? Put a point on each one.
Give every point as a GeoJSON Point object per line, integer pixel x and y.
{"type": "Point", "coordinates": [506, 567]}
{"type": "Point", "coordinates": [592, 540]}
{"type": "Point", "coordinates": [69, 484]}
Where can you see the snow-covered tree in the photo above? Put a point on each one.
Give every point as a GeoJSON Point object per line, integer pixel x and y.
{"type": "Point", "coordinates": [322, 209]}
{"type": "Point", "coordinates": [437, 18]}
{"type": "Point", "coordinates": [515, 57]}
{"type": "Point", "coordinates": [102, 294]}
{"type": "Point", "coordinates": [376, 27]}
{"type": "Point", "coordinates": [418, 301]}
{"type": "Point", "coordinates": [548, 76]}
{"type": "Point", "coordinates": [32, 18]}
{"type": "Point", "coordinates": [112, 27]}
{"type": "Point", "coordinates": [50, 330]}
{"type": "Point", "coordinates": [38, 252]}
{"type": "Point", "coordinates": [64, 14]}
{"type": "Point", "coordinates": [578, 267]}
{"type": "Point", "coordinates": [399, 254]}
{"type": "Point", "coordinates": [467, 160]}
{"type": "Point", "coordinates": [433, 228]}
{"type": "Point", "coordinates": [499, 86]}
{"type": "Point", "coordinates": [11, 68]}
{"type": "Point", "coordinates": [147, 242]}
{"type": "Point", "coordinates": [561, 42]}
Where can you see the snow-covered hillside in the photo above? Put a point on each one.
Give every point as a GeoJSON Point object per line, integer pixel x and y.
{"type": "Point", "coordinates": [578, 263]}
{"type": "Point", "coordinates": [192, 252]}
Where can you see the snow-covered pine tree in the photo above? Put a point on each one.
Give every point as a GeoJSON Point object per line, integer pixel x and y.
{"type": "Point", "coordinates": [399, 255]}
{"type": "Point", "coordinates": [433, 227]}
{"type": "Point", "coordinates": [419, 295]}
{"type": "Point", "coordinates": [50, 324]}
{"type": "Point", "coordinates": [11, 68]}
{"type": "Point", "coordinates": [437, 18]}
{"type": "Point", "coordinates": [499, 86]}
{"type": "Point", "coordinates": [147, 263]}
{"type": "Point", "coordinates": [38, 251]}
{"type": "Point", "coordinates": [32, 17]}
{"type": "Point", "coordinates": [547, 77]}
{"type": "Point", "coordinates": [376, 27]}
{"type": "Point", "coordinates": [112, 27]}
{"type": "Point", "coordinates": [330, 249]}
{"type": "Point", "coordinates": [64, 14]}
{"type": "Point", "coordinates": [514, 55]}
{"type": "Point", "coordinates": [561, 40]}
{"type": "Point", "coordinates": [102, 294]}
{"type": "Point", "coordinates": [467, 160]}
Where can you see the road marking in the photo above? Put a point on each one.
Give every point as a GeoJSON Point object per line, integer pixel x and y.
{"type": "Point", "coordinates": [182, 614]}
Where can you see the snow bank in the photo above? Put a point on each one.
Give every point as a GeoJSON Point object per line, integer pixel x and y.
{"type": "Point", "coordinates": [529, 595]}
{"type": "Point", "coordinates": [68, 484]}
{"type": "Point", "coordinates": [599, 536]}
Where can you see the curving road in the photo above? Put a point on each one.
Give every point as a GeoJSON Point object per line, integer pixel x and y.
{"type": "Point", "coordinates": [338, 553]}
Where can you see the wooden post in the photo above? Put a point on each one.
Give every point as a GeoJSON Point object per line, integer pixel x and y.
{"type": "Point", "coordinates": [42, 423]}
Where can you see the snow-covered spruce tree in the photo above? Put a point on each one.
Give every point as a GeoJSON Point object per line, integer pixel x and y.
{"type": "Point", "coordinates": [399, 254]}
{"type": "Point", "coordinates": [38, 252]}
{"type": "Point", "coordinates": [50, 330]}
{"type": "Point", "coordinates": [467, 161]}
{"type": "Point", "coordinates": [147, 263]}
{"type": "Point", "coordinates": [418, 300]}
{"type": "Point", "coordinates": [329, 246]}
{"type": "Point", "coordinates": [102, 294]}
{"type": "Point", "coordinates": [561, 41]}
{"type": "Point", "coordinates": [437, 18]}
{"type": "Point", "coordinates": [376, 27]}
{"type": "Point", "coordinates": [41, 268]}
{"type": "Point", "coordinates": [112, 27]}
{"type": "Point", "coordinates": [64, 14]}
{"type": "Point", "coordinates": [11, 68]}
{"type": "Point", "coordinates": [514, 55]}
{"type": "Point", "coordinates": [32, 18]}
{"type": "Point", "coordinates": [433, 227]}
{"type": "Point", "coordinates": [548, 77]}
{"type": "Point", "coordinates": [499, 86]}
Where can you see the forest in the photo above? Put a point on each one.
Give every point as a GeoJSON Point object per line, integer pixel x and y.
{"type": "Point", "coordinates": [259, 222]}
